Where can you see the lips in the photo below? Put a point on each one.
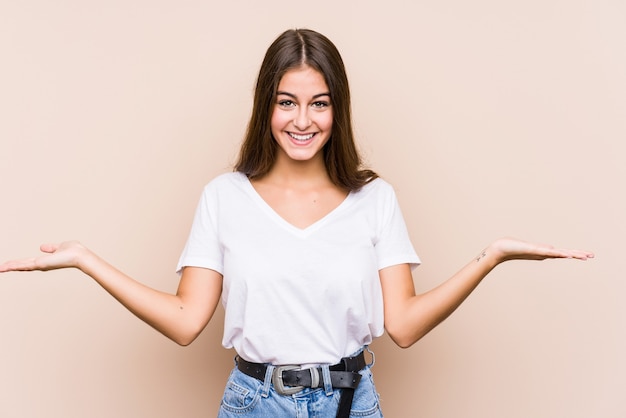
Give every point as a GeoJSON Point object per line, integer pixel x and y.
{"type": "Point", "coordinates": [301, 138]}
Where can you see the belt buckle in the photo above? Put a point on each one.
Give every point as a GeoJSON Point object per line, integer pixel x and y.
{"type": "Point", "coordinates": [277, 380]}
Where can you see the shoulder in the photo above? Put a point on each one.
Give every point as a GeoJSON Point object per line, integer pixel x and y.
{"type": "Point", "coordinates": [377, 198]}
{"type": "Point", "coordinates": [226, 181]}
{"type": "Point", "coordinates": [377, 189]}
{"type": "Point", "coordinates": [227, 187]}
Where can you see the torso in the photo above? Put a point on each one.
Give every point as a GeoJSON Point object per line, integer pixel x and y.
{"type": "Point", "coordinates": [307, 295]}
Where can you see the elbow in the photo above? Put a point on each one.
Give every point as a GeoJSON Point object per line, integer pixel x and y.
{"type": "Point", "coordinates": [184, 340]}
{"type": "Point", "coordinates": [185, 337]}
{"type": "Point", "coordinates": [403, 341]}
{"type": "Point", "coordinates": [403, 336]}
{"type": "Point", "coordinates": [404, 344]}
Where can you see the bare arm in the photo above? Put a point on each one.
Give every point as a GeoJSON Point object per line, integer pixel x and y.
{"type": "Point", "coordinates": [180, 317]}
{"type": "Point", "coordinates": [408, 317]}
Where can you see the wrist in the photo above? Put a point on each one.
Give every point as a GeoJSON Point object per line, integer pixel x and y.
{"type": "Point", "coordinates": [506, 249]}
{"type": "Point", "coordinates": [490, 256]}
{"type": "Point", "coordinates": [84, 259]}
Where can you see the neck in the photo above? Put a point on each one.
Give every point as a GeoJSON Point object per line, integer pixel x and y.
{"type": "Point", "coordinates": [304, 173]}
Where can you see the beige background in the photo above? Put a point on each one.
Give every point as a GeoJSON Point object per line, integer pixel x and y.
{"type": "Point", "coordinates": [490, 118]}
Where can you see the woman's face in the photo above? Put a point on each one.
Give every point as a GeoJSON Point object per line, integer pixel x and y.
{"type": "Point", "coordinates": [302, 117]}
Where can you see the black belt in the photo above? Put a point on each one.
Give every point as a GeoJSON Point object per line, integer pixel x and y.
{"type": "Point", "coordinates": [288, 380]}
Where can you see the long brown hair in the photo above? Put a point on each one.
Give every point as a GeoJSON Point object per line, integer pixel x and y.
{"type": "Point", "coordinates": [293, 49]}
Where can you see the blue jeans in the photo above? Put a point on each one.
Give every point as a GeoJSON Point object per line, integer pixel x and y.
{"type": "Point", "coordinates": [248, 397]}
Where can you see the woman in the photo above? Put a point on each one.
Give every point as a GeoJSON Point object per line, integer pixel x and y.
{"type": "Point", "coordinates": [307, 250]}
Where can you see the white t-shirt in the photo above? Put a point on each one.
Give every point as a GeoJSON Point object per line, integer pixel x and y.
{"type": "Point", "coordinates": [291, 295]}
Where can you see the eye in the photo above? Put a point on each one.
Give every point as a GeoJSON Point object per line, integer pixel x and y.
{"type": "Point", "coordinates": [286, 103]}
{"type": "Point", "coordinates": [320, 104]}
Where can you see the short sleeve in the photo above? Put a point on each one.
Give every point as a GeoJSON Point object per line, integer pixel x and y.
{"type": "Point", "coordinates": [393, 245]}
{"type": "Point", "coordinates": [203, 247]}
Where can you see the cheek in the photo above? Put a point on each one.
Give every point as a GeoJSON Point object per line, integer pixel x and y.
{"type": "Point", "coordinates": [278, 121]}
{"type": "Point", "coordinates": [328, 123]}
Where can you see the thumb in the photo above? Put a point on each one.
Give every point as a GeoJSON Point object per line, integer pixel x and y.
{"type": "Point", "coordinates": [49, 248]}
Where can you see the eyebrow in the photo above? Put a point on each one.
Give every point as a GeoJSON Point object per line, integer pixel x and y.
{"type": "Point", "coordinates": [315, 96]}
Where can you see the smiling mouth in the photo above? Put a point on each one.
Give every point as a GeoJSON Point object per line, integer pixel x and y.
{"type": "Point", "coordinates": [300, 137]}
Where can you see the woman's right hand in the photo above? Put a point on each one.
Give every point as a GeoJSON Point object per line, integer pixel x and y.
{"type": "Point", "coordinates": [57, 256]}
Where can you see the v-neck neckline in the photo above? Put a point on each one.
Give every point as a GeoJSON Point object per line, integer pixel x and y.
{"type": "Point", "coordinates": [273, 214]}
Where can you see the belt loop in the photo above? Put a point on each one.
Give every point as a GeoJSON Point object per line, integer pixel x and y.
{"type": "Point", "coordinates": [328, 384]}
{"type": "Point", "coordinates": [373, 356]}
{"type": "Point", "coordinates": [265, 391]}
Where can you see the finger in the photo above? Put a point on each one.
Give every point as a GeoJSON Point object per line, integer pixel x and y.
{"type": "Point", "coordinates": [18, 265]}
{"type": "Point", "coordinates": [576, 254]}
{"type": "Point", "coordinates": [582, 255]}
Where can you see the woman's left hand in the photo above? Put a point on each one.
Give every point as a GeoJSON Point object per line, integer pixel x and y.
{"type": "Point", "coordinates": [513, 249]}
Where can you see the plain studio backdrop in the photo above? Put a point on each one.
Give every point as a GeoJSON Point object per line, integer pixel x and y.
{"type": "Point", "coordinates": [490, 118]}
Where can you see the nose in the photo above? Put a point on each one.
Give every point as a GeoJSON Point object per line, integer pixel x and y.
{"type": "Point", "coordinates": [302, 120]}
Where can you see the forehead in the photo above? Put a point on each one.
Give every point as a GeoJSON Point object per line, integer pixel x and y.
{"type": "Point", "coordinates": [304, 80]}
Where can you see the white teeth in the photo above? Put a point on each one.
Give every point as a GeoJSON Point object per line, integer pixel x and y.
{"type": "Point", "coordinates": [301, 137]}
